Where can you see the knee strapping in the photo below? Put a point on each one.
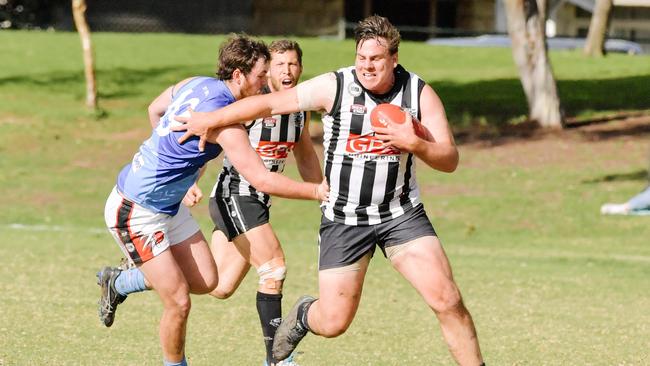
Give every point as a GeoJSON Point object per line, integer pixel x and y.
{"type": "Point", "coordinates": [271, 272]}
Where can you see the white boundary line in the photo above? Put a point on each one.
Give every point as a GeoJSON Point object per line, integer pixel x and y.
{"type": "Point", "coordinates": [55, 228]}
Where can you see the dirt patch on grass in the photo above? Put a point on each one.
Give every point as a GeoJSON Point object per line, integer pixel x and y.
{"type": "Point", "coordinates": [11, 119]}
{"type": "Point", "coordinates": [447, 190]}
{"type": "Point", "coordinates": [611, 142]}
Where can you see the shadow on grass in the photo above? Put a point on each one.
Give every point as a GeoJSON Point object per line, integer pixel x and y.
{"type": "Point", "coordinates": [113, 83]}
{"type": "Point", "coordinates": [639, 175]}
{"type": "Point", "coordinates": [487, 103]}
{"type": "Point", "coordinates": [498, 102]}
{"type": "Point", "coordinates": [629, 130]}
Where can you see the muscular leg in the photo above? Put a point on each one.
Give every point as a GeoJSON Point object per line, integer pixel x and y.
{"type": "Point", "coordinates": [424, 264]}
{"type": "Point", "coordinates": [339, 296]}
{"type": "Point", "coordinates": [232, 265]}
{"type": "Point", "coordinates": [167, 279]}
{"type": "Point", "coordinates": [257, 247]}
{"type": "Point", "coordinates": [263, 250]}
{"type": "Point", "coordinates": [262, 247]}
{"type": "Point", "coordinates": [195, 260]}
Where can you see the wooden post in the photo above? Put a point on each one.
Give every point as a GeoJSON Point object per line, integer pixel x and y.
{"type": "Point", "coordinates": [79, 14]}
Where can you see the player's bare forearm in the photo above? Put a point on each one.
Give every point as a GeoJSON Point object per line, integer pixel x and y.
{"type": "Point", "coordinates": [236, 145]}
{"type": "Point", "coordinates": [439, 149]}
{"type": "Point", "coordinates": [306, 158]}
{"type": "Point", "coordinates": [278, 185]}
{"type": "Point", "coordinates": [242, 111]}
{"type": "Point", "coordinates": [438, 152]}
{"type": "Point", "coordinates": [442, 156]}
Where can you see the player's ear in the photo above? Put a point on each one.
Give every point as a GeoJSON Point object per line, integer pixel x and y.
{"type": "Point", "coordinates": [236, 76]}
{"type": "Point", "coordinates": [395, 59]}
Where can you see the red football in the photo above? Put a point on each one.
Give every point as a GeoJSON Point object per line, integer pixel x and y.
{"type": "Point", "coordinates": [386, 111]}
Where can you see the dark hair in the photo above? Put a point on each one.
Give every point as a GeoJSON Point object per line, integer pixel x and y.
{"type": "Point", "coordinates": [240, 52]}
{"type": "Point", "coordinates": [283, 45]}
{"type": "Point", "coordinates": [374, 27]}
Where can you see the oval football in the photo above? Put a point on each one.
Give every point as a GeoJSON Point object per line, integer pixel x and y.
{"type": "Point", "coordinates": [382, 112]}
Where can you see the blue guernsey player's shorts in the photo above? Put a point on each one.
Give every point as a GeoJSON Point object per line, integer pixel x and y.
{"type": "Point", "coordinates": [142, 233]}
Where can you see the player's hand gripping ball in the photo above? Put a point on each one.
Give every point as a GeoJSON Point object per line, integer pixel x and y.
{"type": "Point", "coordinates": [386, 111]}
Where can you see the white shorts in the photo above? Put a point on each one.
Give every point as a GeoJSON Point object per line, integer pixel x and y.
{"type": "Point", "coordinates": [143, 234]}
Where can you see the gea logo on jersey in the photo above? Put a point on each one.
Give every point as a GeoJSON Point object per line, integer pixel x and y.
{"type": "Point", "coordinates": [274, 149]}
{"type": "Point", "coordinates": [269, 122]}
{"type": "Point", "coordinates": [369, 144]}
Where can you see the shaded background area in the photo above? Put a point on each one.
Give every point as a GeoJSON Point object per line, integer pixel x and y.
{"type": "Point", "coordinates": [494, 102]}
{"type": "Point", "coordinates": [417, 19]}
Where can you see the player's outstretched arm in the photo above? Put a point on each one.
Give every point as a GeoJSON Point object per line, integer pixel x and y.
{"type": "Point", "coordinates": [315, 94]}
{"type": "Point", "coordinates": [242, 111]}
{"type": "Point", "coordinates": [235, 144]}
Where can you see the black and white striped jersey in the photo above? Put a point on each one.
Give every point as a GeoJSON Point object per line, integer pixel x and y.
{"type": "Point", "coordinates": [370, 182]}
{"type": "Point", "coordinates": [273, 138]}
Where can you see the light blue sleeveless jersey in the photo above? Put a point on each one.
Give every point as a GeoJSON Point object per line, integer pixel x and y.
{"type": "Point", "coordinates": [163, 170]}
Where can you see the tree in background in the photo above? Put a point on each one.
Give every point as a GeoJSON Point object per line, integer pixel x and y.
{"type": "Point", "coordinates": [595, 44]}
{"type": "Point", "coordinates": [526, 19]}
{"type": "Point", "coordinates": [79, 13]}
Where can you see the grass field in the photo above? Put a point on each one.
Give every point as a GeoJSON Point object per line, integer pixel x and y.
{"type": "Point", "coordinates": [548, 280]}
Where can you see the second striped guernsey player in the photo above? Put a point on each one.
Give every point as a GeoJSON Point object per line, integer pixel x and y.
{"type": "Point", "coordinates": [374, 198]}
{"type": "Point", "coordinates": [243, 235]}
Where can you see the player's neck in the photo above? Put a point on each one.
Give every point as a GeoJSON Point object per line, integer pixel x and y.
{"type": "Point", "coordinates": [235, 89]}
{"type": "Point", "coordinates": [387, 87]}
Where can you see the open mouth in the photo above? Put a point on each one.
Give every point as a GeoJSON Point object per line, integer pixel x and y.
{"type": "Point", "coordinates": [287, 82]}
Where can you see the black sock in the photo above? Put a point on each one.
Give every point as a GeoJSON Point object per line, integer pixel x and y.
{"type": "Point", "coordinates": [269, 308]}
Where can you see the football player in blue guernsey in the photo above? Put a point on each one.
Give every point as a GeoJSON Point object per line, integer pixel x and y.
{"type": "Point", "coordinates": [144, 211]}
{"type": "Point", "coordinates": [243, 235]}
{"type": "Point", "coordinates": [374, 200]}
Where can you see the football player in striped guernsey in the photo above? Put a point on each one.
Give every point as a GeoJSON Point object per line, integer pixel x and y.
{"type": "Point", "coordinates": [144, 212]}
{"type": "Point", "coordinates": [243, 235]}
{"type": "Point", "coordinates": [374, 200]}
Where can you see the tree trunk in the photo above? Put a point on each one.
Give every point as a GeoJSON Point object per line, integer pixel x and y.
{"type": "Point", "coordinates": [79, 13]}
{"type": "Point", "coordinates": [526, 28]}
{"type": "Point", "coordinates": [595, 44]}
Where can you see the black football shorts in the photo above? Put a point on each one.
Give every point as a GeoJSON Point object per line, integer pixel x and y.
{"type": "Point", "coordinates": [342, 245]}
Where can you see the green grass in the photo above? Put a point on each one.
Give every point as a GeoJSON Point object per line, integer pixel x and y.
{"type": "Point", "coordinates": [477, 85]}
{"type": "Point", "coordinates": [548, 280]}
